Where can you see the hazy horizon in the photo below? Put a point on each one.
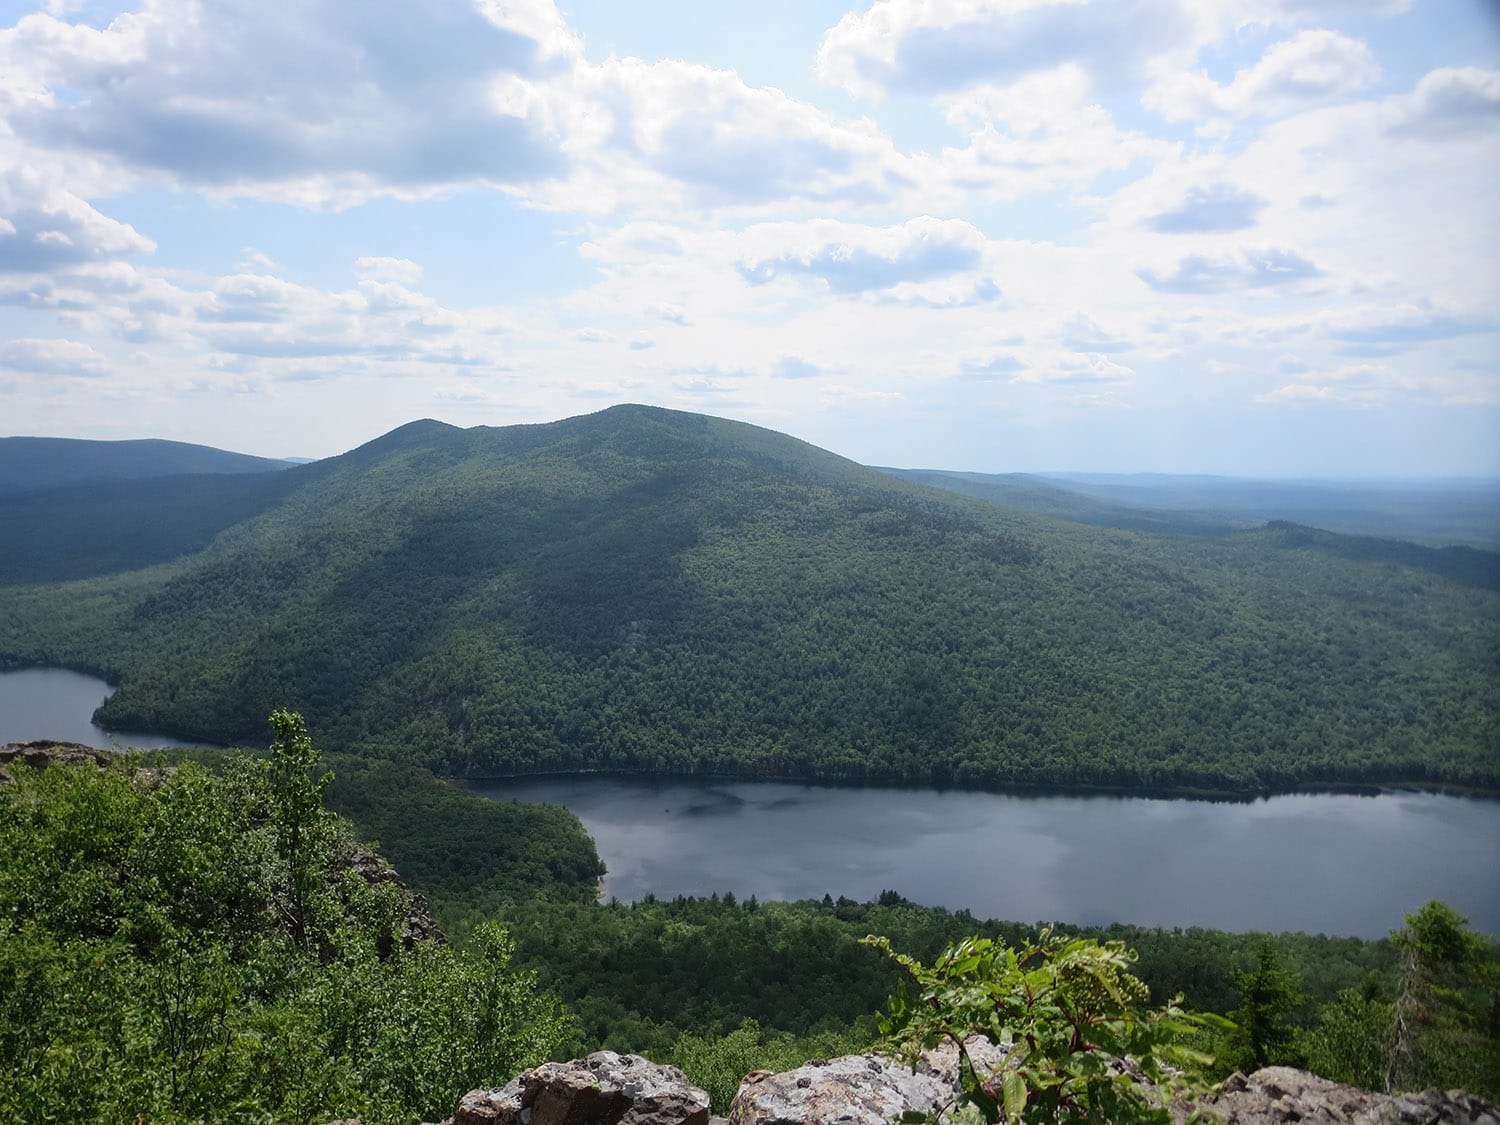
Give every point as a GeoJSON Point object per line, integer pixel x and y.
{"type": "Point", "coordinates": [1479, 479]}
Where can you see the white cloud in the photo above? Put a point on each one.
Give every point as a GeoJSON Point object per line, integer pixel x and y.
{"type": "Point", "coordinates": [317, 101]}
{"type": "Point", "coordinates": [668, 134]}
{"type": "Point", "coordinates": [1081, 368]}
{"type": "Point", "coordinates": [1039, 133]}
{"type": "Point", "coordinates": [53, 357]}
{"type": "Point", "coordinates": [1450, 102]}
{"type": "Point", "coordinates": [850, 258]}
{"type": "Point", "coordinates": [47, 228]}
{"type": "Point", "coordinates": [1311, 67]}
{"type": "Point", "coordinates": [1248, 269]}
{"type": "Point", "coordinates": [933, 46]}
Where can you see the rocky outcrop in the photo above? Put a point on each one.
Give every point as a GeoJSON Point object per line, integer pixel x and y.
{"type": "Point", "coordinates": [606, 1088]}
{"type": "Point", "coordinates": [855, 1089]}
{"type": "Point", "coordinates": [1280, 1094]}
{"type": "Point", "coordinates": [43, 752]}
{"type": "Point", "coordinates": [417, 924]}
{"type": "Point", "coordinates": [603, 1089]}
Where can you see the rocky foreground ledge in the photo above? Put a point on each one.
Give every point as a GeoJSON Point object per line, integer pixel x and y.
{"type": "Point", "coordinates": [610, 1089]}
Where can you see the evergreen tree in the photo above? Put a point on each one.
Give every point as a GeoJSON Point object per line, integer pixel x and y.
{"type": "Point", "coordinates": [1269, 998]}
{"type": "Point", "coordinates": [1445, 1032]}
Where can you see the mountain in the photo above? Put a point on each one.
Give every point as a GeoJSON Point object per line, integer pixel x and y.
{"type": "Point", "coordinates": [646, 589]}
{"type": "Point", "coordinates": [33, 464]}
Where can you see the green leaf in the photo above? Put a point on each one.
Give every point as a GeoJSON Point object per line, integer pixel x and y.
{"type": "Point", "coordinates": [1014, 1088]}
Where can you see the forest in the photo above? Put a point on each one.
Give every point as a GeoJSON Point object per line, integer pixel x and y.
{"type": "Point", "coordinates": [647, 590]}
{"type": "Point", "coordinates": [188, 936]}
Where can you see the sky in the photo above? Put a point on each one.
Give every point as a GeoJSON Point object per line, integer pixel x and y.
{"type": "Point", "coordinates": [1247, 237]}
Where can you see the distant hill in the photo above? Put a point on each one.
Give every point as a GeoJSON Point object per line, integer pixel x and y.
{"type": "Point", "coordinates": [1027, 492]}
{"type": "Point", "coordinates": [1436, 512]}
{"type": "Point", "coordinates": [644, 589]}
{"type": "Point", "coordinates": [32, 464]}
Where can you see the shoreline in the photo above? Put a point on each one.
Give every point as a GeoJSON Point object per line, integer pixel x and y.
{"type": "Point", "coordinates": [1163, 793]}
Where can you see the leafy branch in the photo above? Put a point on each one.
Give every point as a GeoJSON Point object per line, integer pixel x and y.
{"type": "Point", "coordinates": [1078, 1040]}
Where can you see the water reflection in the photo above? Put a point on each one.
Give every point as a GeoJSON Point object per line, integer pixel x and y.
{"type": "Point", "coordinates": [1331, 863]}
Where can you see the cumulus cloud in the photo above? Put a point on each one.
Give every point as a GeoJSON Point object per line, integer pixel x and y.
{"type": "Point", "coordinates": [44, 227]}
{"type": "Point", "coordinates": [1214, 208]}
{"type": "Point", "coordinates": [1088, 368]}
{"type": "Point", "coordinates": [1249, 269]}
{"type": "Point", "coordinates": [322, 101]}
{"type": "Point", "coordinates": [249, 299]}
{"type": "Point", "coordinates": [933, 46]}
{"type": "Point", "coordinates": [1451, 102]}
{"type": "Point", "coordinates": [1038, 133]}
{"type": "Point", "coordinates": [1312, 66]}
{"type": "Point", "coordinates": [53, 357]}
{"type": "Point", "coordinates": [850, 258]}
{"type": "Point", "coordinates": [727, 143]}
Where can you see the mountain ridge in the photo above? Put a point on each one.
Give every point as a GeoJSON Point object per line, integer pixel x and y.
{"type": "Point", "coordinates": [647, 589]}
{"type": "Point", "coordinates": [33, 464]}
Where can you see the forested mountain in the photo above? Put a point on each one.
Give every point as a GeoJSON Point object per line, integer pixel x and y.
{"type": "Point", "coordinates": [32, 464]}
{"type": "Point", "coordinates": [646, 589]}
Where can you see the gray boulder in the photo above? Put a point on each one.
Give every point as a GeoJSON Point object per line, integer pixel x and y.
{"type": "Point", "coordinates": [603, 1089]}
{"type": "Point", "coordinates": [856, 1089]}
{"type": "Point", "coordinates": [1279, 1094]}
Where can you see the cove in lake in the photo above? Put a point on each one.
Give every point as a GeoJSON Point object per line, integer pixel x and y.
{"type": "Point", "coordinates": [56, 704]}
{"type": "Point", "coordinates": [1329, 863]}
{"type": "Point", "coordinates": [1322, 863]}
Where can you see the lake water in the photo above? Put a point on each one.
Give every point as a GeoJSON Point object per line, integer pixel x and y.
{"type": "Point", "coordinates": [58, 704]}
{"type": "Point", "coordinates": [1329, 863]}
{"type": "Point", "coordinates": [1323, 863]}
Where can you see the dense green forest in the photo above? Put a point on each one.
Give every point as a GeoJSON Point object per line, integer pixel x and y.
{"type": "Point", "coordinates": [644, 589]}
{"type": "Point", "coordinates": [179, 944]}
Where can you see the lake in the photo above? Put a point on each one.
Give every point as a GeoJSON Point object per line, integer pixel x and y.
{"type": "Point", "coordinates": [1330, 863]}
{"type": "Point", "coordinates": [1323, 863]}
{"type": "Point", "coordinates": [58, 704]}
